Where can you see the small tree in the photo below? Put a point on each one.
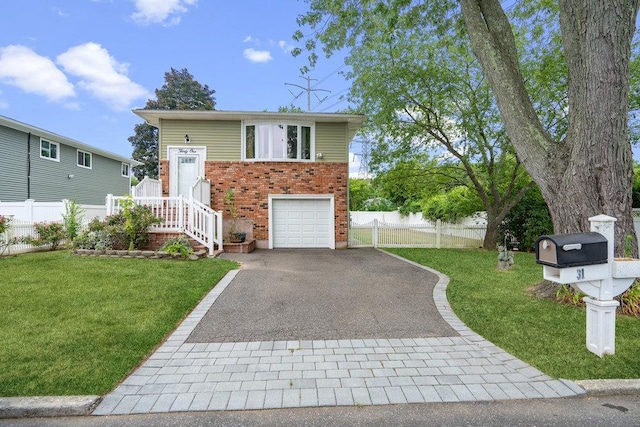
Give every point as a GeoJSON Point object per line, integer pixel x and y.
{"type": "Point", "coordinates": [72, 219]}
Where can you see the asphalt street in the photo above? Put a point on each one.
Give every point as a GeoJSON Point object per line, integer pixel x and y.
{"type": "Point", "coordinates": [585, 412]}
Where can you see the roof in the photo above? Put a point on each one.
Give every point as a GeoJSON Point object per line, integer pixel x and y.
{"type": "Point", "coordinates": [153, 117]}
{"type": "Point", "coordinates": [23, 127]}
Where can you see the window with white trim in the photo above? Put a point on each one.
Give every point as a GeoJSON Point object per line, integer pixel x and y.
{"type": "Point", "coordinates": [84, 159]}
{"type": "Point", "coordinates": [49, 150]}
{"type": "Point", "coordinates": [125, 169]}
{"type": "Point", "coordinates": [278, 141]}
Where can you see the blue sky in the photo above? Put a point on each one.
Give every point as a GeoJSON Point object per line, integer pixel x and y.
{"type": "Point", "coordinates": [78, 67]}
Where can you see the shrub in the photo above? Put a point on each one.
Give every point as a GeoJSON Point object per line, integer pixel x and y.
{"type": "Point", "coordinates": [72, 219]}
{"type": "Point", "coordinates": [50, 234]}
{"type": "Point", "coordinates": [630, 300]}
{"type": "Point", "coordinates": [177, 245]}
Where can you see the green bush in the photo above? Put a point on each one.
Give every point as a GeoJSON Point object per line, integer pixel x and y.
{"type": "Point", "coordinates": [72, 220]}
{"type": "Point", "coordinates": [49, 234]}
{"type": "Point", "coordinates": [177, 245]}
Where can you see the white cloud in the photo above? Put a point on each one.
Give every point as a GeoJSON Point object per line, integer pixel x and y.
{"type": "Point", "coordinates": [164, 12]}
{"type": "Point", "coordinates": [286, 47]}
{"type": "Point", "coordinates": [101, 75]}
{"type": "Point", "coordinates": [254, 55]}
{"type": "Point", "coordinates": [23, 68]}
{"type": "Point", "coordinates": [248, 39]}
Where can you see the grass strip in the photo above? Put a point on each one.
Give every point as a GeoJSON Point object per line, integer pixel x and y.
{"type": "Point", "coordinates": [545, 334]}
{"type": "Point", "coordinates": [78, 325]}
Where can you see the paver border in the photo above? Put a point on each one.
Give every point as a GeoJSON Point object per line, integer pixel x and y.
{"type": "Point", "coordinates": [182, 376]}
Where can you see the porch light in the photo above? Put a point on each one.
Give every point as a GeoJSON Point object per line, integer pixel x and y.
{"type": "Point", "coordinates": [186, 139]}
{"type": "Point", "coordinates": [319, 156]}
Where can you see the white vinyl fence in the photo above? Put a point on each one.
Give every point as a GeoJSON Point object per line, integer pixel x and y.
{"type": "Point", "coordinates": [390, 230]}
{"type": "Point", "coordinates": [19, 228]}
{"type": "Point", "coordinates": [33, 211]}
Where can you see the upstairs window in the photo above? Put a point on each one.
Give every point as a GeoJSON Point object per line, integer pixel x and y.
{"type": "Point", "coordinates": [278, 141]}
{"type": "Point", "coordinates": [49, 150]}
{"type": "Point", "coordinates": [84, 159]}
{"type": "Point", "coordinates": [125, 169]}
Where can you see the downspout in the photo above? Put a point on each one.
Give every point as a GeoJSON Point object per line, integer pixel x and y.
{"type": "Point", "coordinates": [29, 166]}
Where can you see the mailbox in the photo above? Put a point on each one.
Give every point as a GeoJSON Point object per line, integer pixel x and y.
{"type": "Point", "coordinates": [571, 250]}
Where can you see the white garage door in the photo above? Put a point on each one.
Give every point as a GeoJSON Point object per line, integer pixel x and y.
{"type": "Point", "coordinates": [301, 223]}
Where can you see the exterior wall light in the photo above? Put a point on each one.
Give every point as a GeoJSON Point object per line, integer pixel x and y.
{"type": "Point", "coordinates": [319, 156]}
{"type": "Point", "coordinates": [186, 139]}
{"type": "Point", "coordinates": [70, 176]}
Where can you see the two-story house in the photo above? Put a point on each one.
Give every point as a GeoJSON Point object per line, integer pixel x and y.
{"type": "Point", "coordinates": [43, 166]}
{"type": "Point", "coordinates": [289, 172]}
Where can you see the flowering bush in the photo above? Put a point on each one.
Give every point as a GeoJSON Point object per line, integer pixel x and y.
{"type": "Point", "coordinates": [4, 223]}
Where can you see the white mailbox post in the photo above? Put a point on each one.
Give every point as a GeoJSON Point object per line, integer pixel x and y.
{"type": "Point", "coordinates": [601, 280]}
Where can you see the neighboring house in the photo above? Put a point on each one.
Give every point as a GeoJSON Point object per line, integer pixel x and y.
{"type": "Point", "coordinates": [289, 171]}
{"type": "Point", "coordinates": [43, 166]}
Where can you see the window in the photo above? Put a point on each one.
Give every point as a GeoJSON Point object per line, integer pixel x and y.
{"type": "Point", "coordinates": [84, 159]}
{"type": "Point", "coordinates": [278, 141]}
{"type": "Point", "coordinates": [49, 150]}
{"type": "Point", "coordinates": [125, 169]}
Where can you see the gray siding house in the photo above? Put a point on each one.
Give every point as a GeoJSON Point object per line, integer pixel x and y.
{"type": "Point", "coordinates": [46, 167]}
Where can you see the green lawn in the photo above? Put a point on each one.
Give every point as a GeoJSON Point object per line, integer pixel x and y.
{"type": "Point", "coordinates": [543, 333]}
{"type": "Point", "coordinates": [78, 325]}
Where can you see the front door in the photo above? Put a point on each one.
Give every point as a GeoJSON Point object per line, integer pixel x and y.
{"type": "Point", "coordinates": [186, 165]}
{"type": "Point", "coordinates": [187, 174]}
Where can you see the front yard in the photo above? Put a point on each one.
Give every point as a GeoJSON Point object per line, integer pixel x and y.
{"type": "Point", "coordinates": [77, 325]}
{"type": "Point", "coordinates": [544, 333]}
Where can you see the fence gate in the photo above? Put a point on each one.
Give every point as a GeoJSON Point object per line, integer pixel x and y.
{"type": "Point", "coordinates": [381, 234]}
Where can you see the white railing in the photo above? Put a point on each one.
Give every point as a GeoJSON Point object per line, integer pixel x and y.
{"type": "Point", "coordinates": [201, 191]}
{"type": "Point", "coordinates": [179, 215]}
{"type": "Point", "coordinates": [378, 233]}
{"type": "Point", "coordinates": [148, 187]}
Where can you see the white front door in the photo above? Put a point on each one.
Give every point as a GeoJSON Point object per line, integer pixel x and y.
{"type": "Point", "coordinates": [187, 174]}
{"type": "Point", "coordinates": [186, 165]}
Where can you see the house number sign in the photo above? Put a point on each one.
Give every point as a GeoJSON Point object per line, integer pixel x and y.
{"type": "Point", "coordinates": [580, 274]}
{"type": "Point", "coordinates": [186, 151]}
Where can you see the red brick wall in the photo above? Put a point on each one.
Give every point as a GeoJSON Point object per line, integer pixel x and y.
{"type": "Point", "coordinates": [253, 182]}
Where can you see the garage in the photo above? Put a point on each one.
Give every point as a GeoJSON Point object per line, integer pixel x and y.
{"type": "Point", "coordinates": [297, 221]}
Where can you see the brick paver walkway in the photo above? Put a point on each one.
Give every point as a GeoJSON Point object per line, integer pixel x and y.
{"type": "Point", "coordinates": [182, 376]}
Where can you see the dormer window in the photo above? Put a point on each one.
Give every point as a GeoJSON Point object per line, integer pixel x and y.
{"type": "Point", "coordinates": [278, 141]}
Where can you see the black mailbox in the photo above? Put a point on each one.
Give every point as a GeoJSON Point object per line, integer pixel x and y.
{"type": "Point", "coordinates": [570, 250]}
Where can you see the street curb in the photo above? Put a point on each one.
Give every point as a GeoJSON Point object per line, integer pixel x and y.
{"type": "Point", "coordinates": [47, 406]}
{"type": "Point", "coordinates": [610, 387]}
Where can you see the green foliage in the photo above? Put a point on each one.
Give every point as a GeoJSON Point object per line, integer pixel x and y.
{"type": "Point", "coordinates": [179, 92]}
{"type": "Point", "coordinates": [630, 300]}
{"type": "Point", "coordinates": [360, 190]}
{"type": "Point", "coordinates": [5, 222]}
{"type": "Point", "coordinates": [128, 229]}
{"type": "Point", "coordinates": [177, 245]}
{"type": "Point", "coordinates": [458, 203]}
{"type": "Point", "coordinates": [378, 204]}
{"type": "Point", "coordinates": [567, 295]}
{"type": "Point", "coordinates": [49, 234]}
{"type": "Point", "coordinates": [528, 220]}
{"type": "Point", "coordinates": [72, 219]}
{"type": "Point", "coordinates": [425, 97]}
{"type": "Point", "coordinates": [137, 220]}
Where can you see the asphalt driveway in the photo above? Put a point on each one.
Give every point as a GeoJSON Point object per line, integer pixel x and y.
{"type": "Point", "coordinates": [322, 294]}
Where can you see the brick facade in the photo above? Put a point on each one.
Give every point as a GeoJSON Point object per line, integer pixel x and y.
{"type": "Point", "coordinates": [252, 183]}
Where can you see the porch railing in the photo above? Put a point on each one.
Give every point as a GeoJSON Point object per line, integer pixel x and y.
{"type": "Point", "coordinates": [147, 187]}
{"type": "Point", "coordinates": [179, 214]}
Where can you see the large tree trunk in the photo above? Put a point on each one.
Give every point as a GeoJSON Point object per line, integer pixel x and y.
{"type": "Point", "coordinates": [591, 171]}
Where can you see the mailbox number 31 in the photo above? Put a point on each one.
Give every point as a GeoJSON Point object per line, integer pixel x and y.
{"type": "Point", "coordinates": [580, 273]}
